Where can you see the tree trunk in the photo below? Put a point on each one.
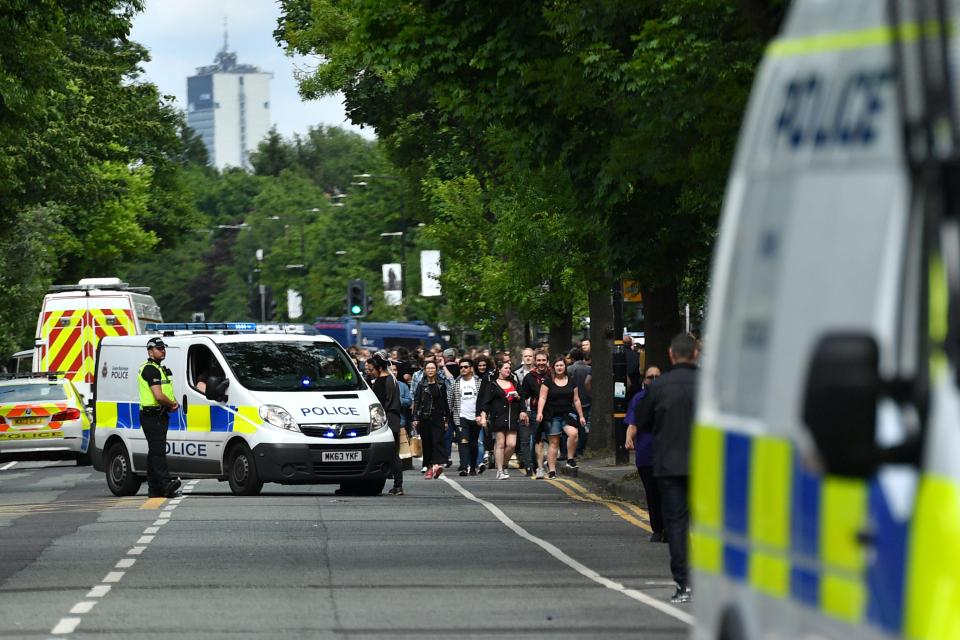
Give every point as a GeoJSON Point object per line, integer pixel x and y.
{"type": "Point", "coordinates": [516, 336]}
{"type": "Point", "coordinates": [661, 322]}
{"type": "Point", "coordinates": [561, 333]}
{"type": "Point", "coordinates": [601, 354]}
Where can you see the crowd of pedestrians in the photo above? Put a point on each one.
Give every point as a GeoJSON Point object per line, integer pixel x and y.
{"type": "Point", "coordinates": [541, 412]}
{"type": "Point", "coordinates": [492, 412]}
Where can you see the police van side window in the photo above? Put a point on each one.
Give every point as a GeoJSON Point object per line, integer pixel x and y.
{"type": "Point", "coordinates": [201, 365]}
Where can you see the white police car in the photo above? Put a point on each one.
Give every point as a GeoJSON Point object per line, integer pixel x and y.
{"type": "Point", "coordinates": [254, 408]}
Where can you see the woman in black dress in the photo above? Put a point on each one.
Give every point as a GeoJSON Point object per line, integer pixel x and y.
{"type": "Point", "coordinates": [503, 411]}
{"type": "Point", "coordinates": [431, 415]}
{"type": "Point", "coordinates": [388, 393]}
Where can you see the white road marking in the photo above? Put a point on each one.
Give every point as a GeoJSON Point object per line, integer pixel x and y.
{"type": "Point", "coordinates": [580, 568]}
{"type": "Point", "coordinates": [193, 483]}
{"type": "Point", "coordinates": [176, 502]}
{"type": "Point", "coordinates": [98, 591]}
{"type": "Point", "coordinates": [9, 465]}
{"type": "Point", "coordinates": [661, 583]}
{"type": "Point", "coordinates": [82, 607]}
{"type": "Point", "coordinates": [65, 626]}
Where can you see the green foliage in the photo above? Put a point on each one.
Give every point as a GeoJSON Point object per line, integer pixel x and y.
{"type": "Point", "coordinates": [604, 127]}
{"type": "Point", "coordinates": [91, 154]}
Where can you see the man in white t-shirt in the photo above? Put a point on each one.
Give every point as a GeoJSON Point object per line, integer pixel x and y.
{"type": "Point", "coordinates": [463, 398]}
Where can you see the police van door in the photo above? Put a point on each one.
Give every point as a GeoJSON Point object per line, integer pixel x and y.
{"type": "Point", "coordinates": [197, 431]}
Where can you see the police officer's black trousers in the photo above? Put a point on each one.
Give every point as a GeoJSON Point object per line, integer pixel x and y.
{"type": "Point", "coordinates": [676, 524]}
{"type": "Point", "coordinates": [154, 425]}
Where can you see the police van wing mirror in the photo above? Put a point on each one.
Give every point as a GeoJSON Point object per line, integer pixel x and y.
{"type": "Point", "coordinates": [840, 403]}
{"type": "Point", "coordinates": [217, 389]}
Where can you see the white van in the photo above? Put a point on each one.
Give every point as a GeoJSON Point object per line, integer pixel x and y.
{"type": "Point", "coordinates": [289, 409]}
{"type": "Point", "coordinates": [74, 317]}
{"type": "Point", "coordinates": [825, 470]}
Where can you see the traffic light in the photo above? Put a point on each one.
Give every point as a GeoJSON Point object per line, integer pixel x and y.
{"type": "Point", "coordinates": [357, 299]}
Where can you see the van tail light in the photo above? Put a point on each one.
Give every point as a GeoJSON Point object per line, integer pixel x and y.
{"type": "Point", "coordinates": [68, 414]}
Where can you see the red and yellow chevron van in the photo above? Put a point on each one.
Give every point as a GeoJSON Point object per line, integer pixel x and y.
{"type": "Point", "coordinates": [74, 318]}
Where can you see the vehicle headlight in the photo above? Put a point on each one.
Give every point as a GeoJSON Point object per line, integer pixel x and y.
{"type": "Point", "coordinates": [278, 417]}
{"type": "Point", "coordinates": [378, 417]}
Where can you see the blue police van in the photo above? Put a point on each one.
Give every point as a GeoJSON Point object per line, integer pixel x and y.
{"type": "Point", "coordinates": [379, 335]}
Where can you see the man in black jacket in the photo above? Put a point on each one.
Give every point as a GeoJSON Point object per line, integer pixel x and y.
{"type": "Point", "coordinates": [667, 411]}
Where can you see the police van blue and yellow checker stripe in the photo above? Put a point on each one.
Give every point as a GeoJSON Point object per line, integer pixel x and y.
{"type": "Point", "coordinates": [762, 518]}
{"type": "Point", "coordinates": [200, 418]}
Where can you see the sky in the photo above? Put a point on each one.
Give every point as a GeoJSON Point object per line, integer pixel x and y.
{"type": "Point", "coordinates": [185, 34]}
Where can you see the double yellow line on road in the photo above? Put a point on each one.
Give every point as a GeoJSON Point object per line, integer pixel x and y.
{"type": "Point", "coordinates": [74, 505]}
{"type": "Point", "coordinates": [632, 513]}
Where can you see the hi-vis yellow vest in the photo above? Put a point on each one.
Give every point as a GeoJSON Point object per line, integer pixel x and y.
{"type": "Point", "coordinates": [146, 395]}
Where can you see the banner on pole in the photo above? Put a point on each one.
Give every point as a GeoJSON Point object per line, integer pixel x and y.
{"type": "Point", "coordinates": [430, 273]}
{"type": "Point", "coordinates": [294, 304]}
{"type": "Point", "coordinates": [393, 283]}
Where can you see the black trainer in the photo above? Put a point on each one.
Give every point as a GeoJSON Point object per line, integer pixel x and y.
{"type": "Point", "coordinates": [172, 487]}
{"type": "Point", "coordinates": [572, 463]}
{"type": "Point", "coordinates": [396, 491]}
{"type": "Point", "coordinates": [463, 472]}
{"type": "Point", "coordinates": [683, 594]}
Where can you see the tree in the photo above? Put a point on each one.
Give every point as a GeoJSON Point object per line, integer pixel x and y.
{"type": "Point", "coordinates": [590, 99]}
{"type": "Point", "coordinates": [90, 151]}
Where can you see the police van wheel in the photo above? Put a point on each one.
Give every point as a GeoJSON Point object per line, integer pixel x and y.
{"type": "Point", "coordinates": [242, 474]}
{"type": "Point", "coordinates": [121, 479]}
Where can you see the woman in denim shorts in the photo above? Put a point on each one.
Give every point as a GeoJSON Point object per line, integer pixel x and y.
{"type": "Point", "coordinates": [560, 406]}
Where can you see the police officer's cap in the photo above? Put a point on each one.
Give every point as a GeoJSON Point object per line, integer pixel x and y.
{"type": "Point", "coordinates": [155, 343]}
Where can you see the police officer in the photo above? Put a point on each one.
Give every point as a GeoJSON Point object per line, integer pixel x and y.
{"type": "Point", "coordinates": [156, 393]}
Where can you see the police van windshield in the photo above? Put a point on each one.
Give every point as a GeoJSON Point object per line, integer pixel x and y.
{"type": "Point", "coordinates": [31, 392]}
{"type": "Point", "coordinates": [291, 366]}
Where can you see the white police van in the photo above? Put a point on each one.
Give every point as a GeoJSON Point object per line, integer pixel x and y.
{"type": "Point", "coordinates": [289, 409]}
{"type": "Point", "coordinates": [825, 471]}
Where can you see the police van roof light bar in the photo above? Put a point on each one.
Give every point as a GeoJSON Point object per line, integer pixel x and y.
{"type": "Point", "coordinates": [168, 328]}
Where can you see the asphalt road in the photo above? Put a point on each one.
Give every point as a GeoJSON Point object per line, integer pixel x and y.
{"type": "Point", "coordinates": [455, 557]}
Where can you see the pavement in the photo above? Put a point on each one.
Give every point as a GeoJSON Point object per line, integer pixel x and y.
{"type": "Point", "coordinates": [599, 468]}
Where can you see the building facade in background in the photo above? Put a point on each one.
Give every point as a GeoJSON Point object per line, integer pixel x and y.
{"type": "Point", "coordinates": [228, 105]}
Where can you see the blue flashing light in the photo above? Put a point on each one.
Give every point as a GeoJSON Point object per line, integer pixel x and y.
{"type": "Point", "coordinates": [330, 434]}
{"type": "Point", "coordinates": [306, 382]}
{"type": "Point", "coordinates": [352, 434]}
